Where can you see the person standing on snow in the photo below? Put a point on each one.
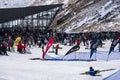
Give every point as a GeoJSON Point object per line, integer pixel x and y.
{"type": "Point", "coordinates": [4, 48]}
{"type": "Point", "coordinates": [56, 49]}
{"type": "Point", "coordinates": [1, 49]}
{"type": "Point", "coordinates": [119, 43]}
{"type": "Point", "coordinates": [78, 41]}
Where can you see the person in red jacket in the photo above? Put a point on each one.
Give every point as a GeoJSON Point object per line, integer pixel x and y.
{"type": "Point", "coordinates": [20, 47]}
{"type": "Point", "coordinates": [78, 41]}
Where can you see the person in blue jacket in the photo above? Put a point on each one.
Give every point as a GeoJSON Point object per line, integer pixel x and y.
{"type": "Point", "coordinates": [91, 71]}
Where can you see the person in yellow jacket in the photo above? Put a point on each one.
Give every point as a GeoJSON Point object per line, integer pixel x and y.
{"type": "Point", "coordinates": [17, 40]}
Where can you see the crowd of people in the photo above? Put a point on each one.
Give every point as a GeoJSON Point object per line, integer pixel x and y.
{"type": "Point", "coordinates": [35, 37]}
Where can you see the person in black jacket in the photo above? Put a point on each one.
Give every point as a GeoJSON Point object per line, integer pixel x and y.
{"type": "Point", "coordinates": [4, 48]}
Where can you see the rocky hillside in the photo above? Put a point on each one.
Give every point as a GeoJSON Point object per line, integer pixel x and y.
{"type": "Point", "coordinates": [79, 15]}
{"type": "Point", "coordinates": [86, 15]}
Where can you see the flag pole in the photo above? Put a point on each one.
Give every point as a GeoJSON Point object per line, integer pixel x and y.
{"type": "Point", "coordinates": [108, 57]}
{"type": "Point", "coordinates": [95, 55]}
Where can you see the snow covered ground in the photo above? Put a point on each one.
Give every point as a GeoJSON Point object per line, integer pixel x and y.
{"type": "Point", "coordinates": [19, 66]}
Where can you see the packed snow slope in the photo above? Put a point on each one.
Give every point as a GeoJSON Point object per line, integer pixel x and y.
{"type": "Point", "coordinates": [19, 66]}
{"type": "Point", "coordinates": [78, 15]}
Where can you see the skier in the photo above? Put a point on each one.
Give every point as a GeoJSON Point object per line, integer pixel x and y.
{"type": "Point", "coordinates": [92, 72]}
{"type": "Point", "coordinates": [93, 47]}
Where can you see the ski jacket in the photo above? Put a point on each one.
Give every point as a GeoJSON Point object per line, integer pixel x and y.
{"type": "Point", "coordinates": [20, 46]}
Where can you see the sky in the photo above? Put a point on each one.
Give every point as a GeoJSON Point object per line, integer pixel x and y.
{"type": "Point", "coordinates": [14, 3]}
{"type": "Point", "coordinates": [19, 66]}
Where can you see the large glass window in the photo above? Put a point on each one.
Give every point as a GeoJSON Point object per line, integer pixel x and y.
{"type": "Point", "coordinates": [40, 20]}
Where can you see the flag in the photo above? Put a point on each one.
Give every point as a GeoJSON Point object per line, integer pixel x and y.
{"type": "Point", "coordinates": [73, 49]}
{"type": "Point", "coordinates": [51, 41]}
{"type": "Point", "coordinates": [17, 40]}
{"type": "Point", "coordinates": [114, 43]}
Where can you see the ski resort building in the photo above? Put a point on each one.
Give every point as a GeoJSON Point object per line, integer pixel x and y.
{"type": "Point", "coordinates": [34, 17]}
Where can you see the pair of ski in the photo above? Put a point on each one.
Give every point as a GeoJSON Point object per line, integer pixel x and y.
{"type": "Point", "coordinates": [97, 71]}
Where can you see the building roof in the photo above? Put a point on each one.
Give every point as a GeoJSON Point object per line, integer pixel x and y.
{"type": "Point", "coordinates": [10, 14]}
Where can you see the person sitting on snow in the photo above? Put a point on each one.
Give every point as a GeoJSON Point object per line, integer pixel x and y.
{"type": "Point", "coordinates": [92, 72]}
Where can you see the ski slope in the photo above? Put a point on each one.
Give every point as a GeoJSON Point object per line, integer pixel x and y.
{"type": "Point", "coordinates": [114, 76]}
{"type": "Point", "coordinates": [19, 66]}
